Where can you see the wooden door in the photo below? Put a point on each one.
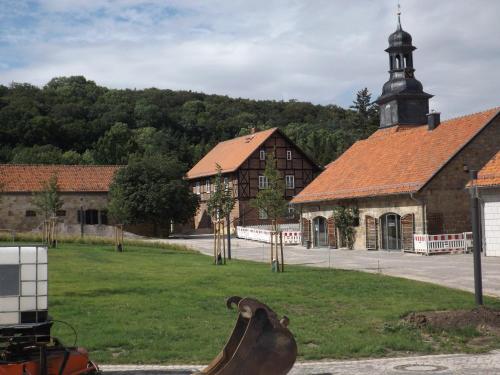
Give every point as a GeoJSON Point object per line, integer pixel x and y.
{"type": "Point", "coordinates": [371, 233]}
{"type": "Point", "coordinates": [408, 230]}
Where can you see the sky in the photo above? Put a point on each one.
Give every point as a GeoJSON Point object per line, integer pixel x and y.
{"type": "Point", "coordinates": [321, 51]}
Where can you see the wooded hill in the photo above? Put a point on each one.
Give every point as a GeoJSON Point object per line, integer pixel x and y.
{"type": "Point", "coordinates": [74, 121]}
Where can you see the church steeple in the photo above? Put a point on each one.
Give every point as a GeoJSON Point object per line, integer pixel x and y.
{"type": "Point", "coordinates": [403, 100]}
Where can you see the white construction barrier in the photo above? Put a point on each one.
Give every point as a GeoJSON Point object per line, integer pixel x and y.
{"type": "Point", "coordinates": [263, 234]}
{"type": "Point", "coordinates": [442, 243]}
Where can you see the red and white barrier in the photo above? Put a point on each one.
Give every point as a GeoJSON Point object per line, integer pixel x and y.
{"type": "Point", "coordinates": [290, 237]}
{"type": "Point", "coordinates": [442, 243]}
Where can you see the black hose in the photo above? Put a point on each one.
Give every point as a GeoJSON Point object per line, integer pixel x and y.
{"type": "Point", "coordinates": [70, 326]}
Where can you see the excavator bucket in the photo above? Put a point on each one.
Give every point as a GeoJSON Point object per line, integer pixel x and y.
{"type": "Point", "coordinates": [259, 345]}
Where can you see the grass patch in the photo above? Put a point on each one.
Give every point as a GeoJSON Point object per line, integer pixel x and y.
{"type": "Point", "coordinates": [166, 305]}
{"type": "Point", "coordinates": [7, 238]}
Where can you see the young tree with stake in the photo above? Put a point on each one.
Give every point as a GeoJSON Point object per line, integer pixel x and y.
{"type": "Point", "coordinates": [271, 200]}
{"type": "Point", "coordinates": [219, 207]}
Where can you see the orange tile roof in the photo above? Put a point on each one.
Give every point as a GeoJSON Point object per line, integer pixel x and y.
{"type": "Point", "coordinates": [16, 178]}
{"type": "Point", "coordinates": [400, 159]}
{"type": "Point", "coordinates": [229, 154]}
{"type": "Point", "coordinates": [489, 176]}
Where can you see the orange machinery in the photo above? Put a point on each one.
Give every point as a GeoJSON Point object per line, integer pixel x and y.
{"type": "Point", "coordinates": [29, 349]}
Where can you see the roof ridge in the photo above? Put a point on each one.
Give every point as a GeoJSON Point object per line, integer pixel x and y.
{"type": "Point", "coordinates": [240, 149]}
{"type": "Point", "coordinates": [497, 108]}
{"type": "Point", "coordinates": [246, 135]}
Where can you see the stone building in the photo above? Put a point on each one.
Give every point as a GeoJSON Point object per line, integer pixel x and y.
{"type": "Point", "coordinates": [82, 188]}
{"type": "Point", "coordinates": [242, 161]}
{"type": "Point", "coordinates": [408, 177]}
{"type": "Point", "coordinates": [488, 184]}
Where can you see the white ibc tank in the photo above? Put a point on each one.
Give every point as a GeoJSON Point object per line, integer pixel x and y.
{"type": "Point", "coordinates": [23, 284]}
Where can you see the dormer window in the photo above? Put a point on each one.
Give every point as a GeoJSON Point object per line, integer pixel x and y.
{"type": "Point", "coordinates": [262, 155]}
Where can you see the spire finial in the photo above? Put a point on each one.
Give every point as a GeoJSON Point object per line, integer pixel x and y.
{"type": "Point", "coordinates": [399, 16]}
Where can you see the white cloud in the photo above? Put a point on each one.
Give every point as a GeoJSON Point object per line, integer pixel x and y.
{"type": "Point", "coordinates": [321, 51]}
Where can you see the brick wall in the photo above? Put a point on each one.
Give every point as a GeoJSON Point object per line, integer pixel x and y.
{"type": "Point", "coordinates": [447, 200]}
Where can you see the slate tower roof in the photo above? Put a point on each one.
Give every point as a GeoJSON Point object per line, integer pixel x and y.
{"type": "Point", "coordinates": [403, 100]}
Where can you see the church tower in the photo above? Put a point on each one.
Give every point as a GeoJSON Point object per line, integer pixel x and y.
{"type": "Point", "coordinates": [403, 100]}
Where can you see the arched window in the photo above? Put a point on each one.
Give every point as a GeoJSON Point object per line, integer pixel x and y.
{"type": "Point", "coordinates": [398, 62]}
{"type": "Point", "coordinates": [320, 232]}
{"type": "Point", "coordinates": [390, 225]}
{"type": "Point", "coordinates": [408, 62]}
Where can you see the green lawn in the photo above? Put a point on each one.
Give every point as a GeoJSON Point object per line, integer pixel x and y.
{"type": "Point", "coordinates": [150, 305]}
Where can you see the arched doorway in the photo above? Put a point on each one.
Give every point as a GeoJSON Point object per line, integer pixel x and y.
{"type": "Point", "coordinates": [390, 225]}
{"type": "Point", "coordinates": [320, 232]}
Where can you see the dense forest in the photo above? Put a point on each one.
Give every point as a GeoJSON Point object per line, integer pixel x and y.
{"type": "Point", "coordinates": [72, 120]}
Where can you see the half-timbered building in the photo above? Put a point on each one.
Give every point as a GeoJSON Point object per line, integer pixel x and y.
{"type": "Point", "coordinates": [242, 161]}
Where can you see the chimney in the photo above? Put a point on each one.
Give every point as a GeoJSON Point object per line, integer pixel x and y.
{"type": "Point", "coordinates": [433, 120]}
{"type": "Point", "coordinates": [253, 130]}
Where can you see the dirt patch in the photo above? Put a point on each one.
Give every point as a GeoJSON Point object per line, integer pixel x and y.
{"type": "Point", "coordinates": [483, 319]}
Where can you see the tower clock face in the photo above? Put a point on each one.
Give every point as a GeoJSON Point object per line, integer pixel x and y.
{"type": "Point", "coordinates": [408, 74]}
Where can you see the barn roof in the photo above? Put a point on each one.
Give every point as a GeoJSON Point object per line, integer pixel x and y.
{"type": "Point", "coordinates": [231, 154]}
{"type": "Point", "coordinates": [27, 178]}
{"type": "Point", "coordinates": [400, 159]}
{"type": "Point", "coordinates": [489, 175]}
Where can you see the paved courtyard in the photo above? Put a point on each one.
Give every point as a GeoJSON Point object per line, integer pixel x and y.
{"type": "Point", "coordinates": [454, 271]}
{"type": "Point", "coordinates": [455, 364]}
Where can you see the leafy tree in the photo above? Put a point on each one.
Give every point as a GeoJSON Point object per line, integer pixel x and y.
{"type": "Point", "coordinates": [272, 200]}
{"type": "Point", "coordinates": [221, 200]}
{"type": "Point", "coordinates": [46, 154]}
{"type": "Point", "coordinates": [151, 190]}
{"type": "Point", "coordinates": [47, 200]}
{"type": "Point", "coordinates": [147, 114]}
{"type": "Point", "coordinates": [114, 146]}
{"type": "Point", "coordinates": [345, 219]}
{"type": "Point", "coordinates": [75, 114]}
{"type": "Point", "coordinates": [71, 157]}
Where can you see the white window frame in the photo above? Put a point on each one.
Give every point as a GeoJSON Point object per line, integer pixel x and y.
{"type": "Point", "coordinates": [263, 214]}
{"type": "Point", "coordinates": [197, 188]}
{"type": "Point", "coordinates": [263, 182]}
{"type": "Point", "coordinates": [288, 154]}
{"type": "Point", "coordinates": [262, 154]}
{"type": "Point", "coordinates": [290, 181]}
{"type": "Point", "coordinates": [207, 185]}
